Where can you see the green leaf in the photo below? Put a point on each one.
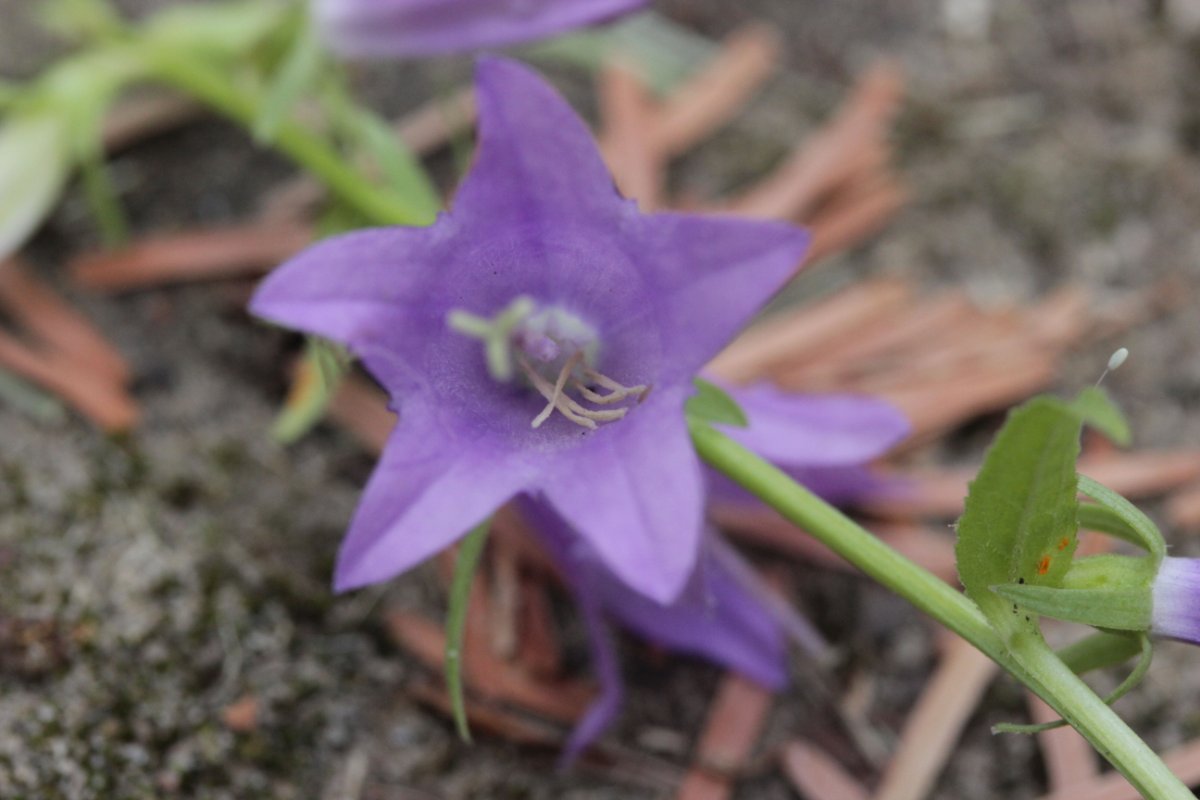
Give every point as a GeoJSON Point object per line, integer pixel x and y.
{"type": "Point", "coordinates": [298, 73]}
{"type": "Point", "coordinates": [35, 158]}
{"type": "Point", "coordinates": [1020, 522]}
{"type": "Point", "coordinates": [713, 405]}
{"type": "Point", "coordinates": [400, 168]}
{"type": "Point", "coordinates": [1098, 410]}
{"type": "Point", "coordinates": [221, 30]}
{"type": "Point", "coordinates": [1145, 533]}
{"type": "Point", "coordinates": [465, 566]}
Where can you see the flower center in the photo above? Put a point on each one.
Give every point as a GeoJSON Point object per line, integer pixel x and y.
{"type": "Point", "coordinates": [553, 352]}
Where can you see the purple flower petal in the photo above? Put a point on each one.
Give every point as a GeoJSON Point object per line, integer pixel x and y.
{"type": "Point", "coordinates": [537, 162]}
{"type": "Point", "coordinates": [355, 287]}
{"type": "Point", "coordinates": [428, 27]}
{"type": "Point", "coordinates": [713, 277]}
{"type": "Point", "coordinates": [725, 623]}
{"type": "Point", "coordinates": [603, 710]}
{"type": "Point", "coordinates": [422, 497]}
{"type": "Point", "coordinates": [816, 430]}
{"type": "Point", "coordinates": [1176, 604]}
{"type": "Point", "coordinates": [636, 497]}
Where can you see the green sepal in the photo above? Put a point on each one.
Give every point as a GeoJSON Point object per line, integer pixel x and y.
{"type": "Point", "coordinates": [1111, 571]}
{"type": "Point", "coordinates": [1098, 410]}
{"type": "Point", "coordinates": [1136, 524]}
{"type": "Point", "coordinates": [711, 404]}
{"type": "Point", "coordinates": [465, 566]}
{"type": "Point", "coordinates": [1115, 609]}
{"type": "Point", "coordinates": [1102, 519]}
{"type": "Point", "coordinates": [1099, 650]}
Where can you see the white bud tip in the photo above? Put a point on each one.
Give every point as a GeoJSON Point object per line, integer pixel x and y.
{"type": "Point", "coordinates": [1118, 358]}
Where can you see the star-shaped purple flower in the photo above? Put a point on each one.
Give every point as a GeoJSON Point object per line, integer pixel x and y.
{"type": "Point", "coordinates": [428, 27]}
{"type": "Point", "coordinates": [539, 339]}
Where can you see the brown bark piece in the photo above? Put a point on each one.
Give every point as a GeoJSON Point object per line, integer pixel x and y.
{"type": "Point", "coordinates": [712, 96]}
{"type": "Point", "coordinates": [105, 404]}
{"type": "Point", "coordinates": [931, 549]}
{"type": "Point", "coordinates": [45, 315]}
{"type": "Point", "coordinates": [432, 125]}
{"type": "Point", "coordinates": [563, 701]}
{"type": "Point", "coordinates": [538, 649]}
{"type": "Point", "coordinates": [792, 336]}
{"type": "Point", "coordinates": [488, 718]}
{"type": "Point", "coordinates": [1183, 508]}
{"type": "Point", "coordinates": [817, 776]}
{"type": "Point", "coordinates": [735, 721]}
{"type": "Point", "coordinates": [1184, 761]}
{"type": "Point", "coordinates": [935, 406]}
{"type": "Point", "coordinates": [1069, 759]}
{"type": "Point", "coordinates": [885, 339]}
{"type": "Point", "coordinates": [940, 493]}
{"type": "Point", "coordinates": [135, 119]}
{"type": "Point", "coordinates": [362, 410]}
{"type": "Point", "coordinates": [628, 111]}
{"type": "Point", "coordinates": [934, 725]}
{"type": "Point", "coordinates": [243, 250]}
{"type": "Point", "coordinates": [827, 159]}
{"type": "Point", "coordinates": [241, 716]}
{"type": "Point", "coordinates": [851, 221]}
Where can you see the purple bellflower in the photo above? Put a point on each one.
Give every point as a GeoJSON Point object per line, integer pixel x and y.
{"type": "Point", "coordinates": [725, 614]}
{"type": "Point", "coordinates": [540, 340]}
{"type": "Point", "coordinates": [428, 27]}
{"type": "Point", "coordinates": [1175, 606]}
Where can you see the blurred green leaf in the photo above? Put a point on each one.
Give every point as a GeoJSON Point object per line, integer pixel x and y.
{"type": "Point", "coordinates": [216, 29]}
{"type": "Point", "coordinates": [713, 405]}
{"type": "Point", "coordinates": [298, 73]}
{"type": "Point", "coordinates": [35, 160]}
{"type": "Point", "coordinates": [465, 566]}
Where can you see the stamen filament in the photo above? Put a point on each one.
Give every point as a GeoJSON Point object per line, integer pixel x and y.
{"type": "Point", "coordinates": [615, 396]}
{"type": "Point", "coordinates": [558, 388]}
{"type": "Point", "coordinates": [547, 391]}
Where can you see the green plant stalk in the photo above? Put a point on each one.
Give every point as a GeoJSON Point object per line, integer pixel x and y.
{"type": "Point", "coordinates": [309, 151]}
{"type": "Point", "coordinates": [465, 566]}
{"type": "Point", "coordinates": [1027, 658]}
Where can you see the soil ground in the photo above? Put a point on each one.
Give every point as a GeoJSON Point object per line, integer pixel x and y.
{"type": "Point", "coordinates": [147, 583]}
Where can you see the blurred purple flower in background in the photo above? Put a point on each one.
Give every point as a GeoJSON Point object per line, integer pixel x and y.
{"type": "Point", "coordinates": [427, 27]}
{"type": "Point", "coordinates": [540, 339]}
{"type": "Point", "coordinates": [726, 613]}
{"type": "Point", "coordinates": [824, 441]}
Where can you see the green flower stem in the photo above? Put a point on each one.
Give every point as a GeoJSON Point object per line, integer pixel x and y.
{"type": "Point", "coordinates": [1032, 662]}
{"type": "Point", "coordinates": [216, 90]}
